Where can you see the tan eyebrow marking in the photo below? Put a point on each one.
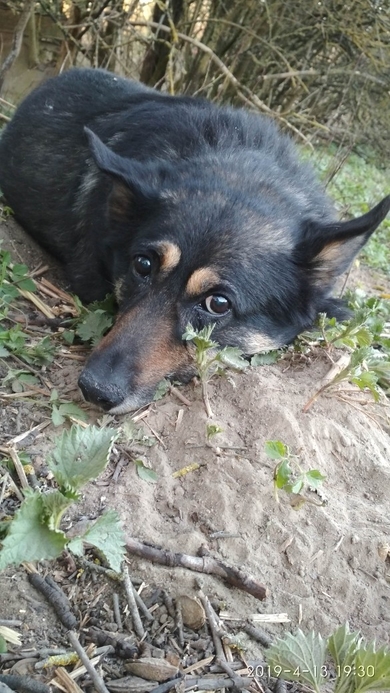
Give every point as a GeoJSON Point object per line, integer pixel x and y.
{"type": "Point", "coordinates": [201, 280]}
{"type": "Point", "coordinates": [170, 255]}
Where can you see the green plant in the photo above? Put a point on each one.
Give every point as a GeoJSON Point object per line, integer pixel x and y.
{"type": "Point", "coordinates": [62, 410]}
{"type": "Point", "coordinates": [210, 359]}
{"type": "Point", "coordinates": [357, 666]}
{"type": "Point", "coordinates": [366, 338]}
{"type": "Point", "coordinates": [34, 533]}
{"type": "Point", "coordinates": [289, 475]}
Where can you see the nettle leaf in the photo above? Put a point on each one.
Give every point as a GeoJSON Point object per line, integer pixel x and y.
{"type": "Point", "coordinates": [299, 657]}
{"type": "Point", "coordinates": [266, 359]}
{"type": "Point", "coordinates": [54, 505]}
{"type": "Point", "coordinates": [232, 357]}
{"type": "Point", "coordinates": [372, 669]}
{"type": "Point", "coordinates": [4, 353]}
{"type": "Point", "coordinates": [202, 338]}
{"type": "Point", "coordinates": [66, 410]}
{"type": "Point", "coordinates": [107, 536]}
{"type": "Point", "coordinates": [94, 326]}
{"type": "Point", "coordinates": [81, 454]}
{"type": "Point", "coordinates": [282, 474]}
{"type": "Point", "coordinates": [162, 389]}
{"type": "Point", "coordinates": [342, 646]}
{"type": "Point", "coordinates": [276, 450]}
{"type": "Point", "coordinates": [145, 472]}
{"type": "Point", "coordinates": [29, 538]}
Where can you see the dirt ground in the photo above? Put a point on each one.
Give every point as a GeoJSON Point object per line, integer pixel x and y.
{"type": "Point", "coordinates": [320, 564]}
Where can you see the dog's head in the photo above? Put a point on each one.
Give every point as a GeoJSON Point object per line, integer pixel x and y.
{"type": "Point", "coordinates": [221, 240]}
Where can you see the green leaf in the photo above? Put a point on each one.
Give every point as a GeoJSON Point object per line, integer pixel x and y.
{"type": "Point", "coordinates": [145, 472]}
{"type": "Point", "coordinates": [212, 430]}
{"type": "Point", "coordinates": [265, 359]}
{"type": "Point", "coordinates": [26, 284]}
{"type": "Point", "coordinates": [68, 336]}
{"type": "Point", "coordinates": [107, 535]}
{"type": "Point", "coordinates": [282, 475]}
{"type": "Point", "coordinates": [232, 357]}
{"type": "Point", "coordinates": [342, 646]}
{"type": "Point", "coordinates": [3, 352]}
{"type": "Point", "coordinates": [162, 389]}
{"type": "Point", "coordinates": [3, 645]}
{"type": "Point", "coordinates": [314, 478]}
{"type": "Point", "coordinates": [29, 538]}
{"type": "Point", "coordinates": [66, 410]}
{"type": "Point", "coordinates": [299, 657]}
{"type": "Point", "coordinates": [276, 450]}
{"type": "Point", "coordinates": [81, 454]}
{"type": "Point", "coordinates": [372, 669]}
{"type": "Point", "coordinates": [54, 504]}
{"type": "Point", "coordinates": [94, 326]}
{"type": "Point", "coordinates": [296, 486]}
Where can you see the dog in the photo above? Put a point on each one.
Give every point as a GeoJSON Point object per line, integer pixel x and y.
{"type": "Point", "coordinates": [191, 213]}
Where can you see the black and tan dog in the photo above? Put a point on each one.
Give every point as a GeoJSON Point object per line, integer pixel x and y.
{"type": "Point", "coordinates": [191, 213]}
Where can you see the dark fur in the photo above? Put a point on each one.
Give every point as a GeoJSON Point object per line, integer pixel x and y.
{"type": "Point", "coordinates": [223, 185]}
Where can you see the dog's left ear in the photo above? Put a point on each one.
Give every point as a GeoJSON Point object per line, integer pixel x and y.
{"type": "Point", "coordinates": [329, 250]}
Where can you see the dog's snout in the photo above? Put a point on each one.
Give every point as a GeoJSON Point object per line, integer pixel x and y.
{"type": "Point", "coordinates": [100, 392]}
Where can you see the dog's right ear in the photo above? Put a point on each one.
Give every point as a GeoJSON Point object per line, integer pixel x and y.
{"type": "Point", "coordinates": [328, 250]}
{"type": "Point", "coordinates": [132, 180]}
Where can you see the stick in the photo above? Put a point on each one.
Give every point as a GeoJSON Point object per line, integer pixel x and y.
{"type": "Point", "coordinates": [84, 659]}
{"type": "Point", "coordinates": [179, 395]}
{"type": "Point", "coordinates": [18, 467]}
{"type": "Point", "coordinates": [211, 617]}
{"type": "Point", "coordinates": [204, 564]}
{"type": "Point", "coordinates": [130, 594]}
{"type": "Point", "coordinates": [17, 38]}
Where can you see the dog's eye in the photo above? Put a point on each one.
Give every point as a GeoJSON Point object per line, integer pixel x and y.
{"type": "Point", "coordinates": [142, 265]}
{"type": "Point", "coordinates": [216, 305]}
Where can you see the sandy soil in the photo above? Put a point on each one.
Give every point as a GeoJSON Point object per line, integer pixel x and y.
{"type": "Point", "coordinates": [320, 564]}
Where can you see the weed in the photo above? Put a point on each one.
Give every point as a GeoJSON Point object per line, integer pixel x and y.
{"type": "Point", "coordinates": [358, 667]}
{"type": "Point", "coordinates": [62, 411]}
{"type": "Point", "coordinates": [80, 455]}
{"type": "Point", "coordinates": [366, 338]}
{"type": "Point", "coordinates": [210, 359]}
{"type": "Point", "coordinates": [289, 475]}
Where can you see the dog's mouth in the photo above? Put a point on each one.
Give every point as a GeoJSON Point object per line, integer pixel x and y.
{"type": "Point", "coordinates": [112, 398]}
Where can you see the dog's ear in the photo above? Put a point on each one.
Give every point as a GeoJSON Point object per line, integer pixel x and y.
{"type": "Point", "coordinates": [132, 180]}
{"type": "Point", "coordinates": [329, 250]}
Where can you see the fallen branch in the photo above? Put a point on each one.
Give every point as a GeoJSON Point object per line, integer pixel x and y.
{"type": "Point", "coordinates": [17, 39]}
{"type": "Point", "coordinates": [205, 564]}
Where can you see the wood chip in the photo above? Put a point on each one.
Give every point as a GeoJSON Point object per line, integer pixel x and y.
{"type": "Point", "coordinates": [192, 610]}
{"type": "Point", "coordinates": [152, 669]}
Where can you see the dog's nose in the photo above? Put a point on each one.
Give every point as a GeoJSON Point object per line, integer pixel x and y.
{"type": "Point", "coordinates": [105, 395]}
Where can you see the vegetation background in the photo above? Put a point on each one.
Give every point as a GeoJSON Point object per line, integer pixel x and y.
{"type": "Point", "coordinates": [320, 67]}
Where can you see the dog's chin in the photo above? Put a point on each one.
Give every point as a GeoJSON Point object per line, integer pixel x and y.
{"type": "Point", "coordinates": [133, 401]}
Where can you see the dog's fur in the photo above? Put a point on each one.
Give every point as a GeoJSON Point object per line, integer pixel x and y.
{"type": "Point", "coordinates": [170, 201]}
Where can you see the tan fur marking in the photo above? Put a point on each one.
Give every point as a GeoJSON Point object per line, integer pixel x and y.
{"type": "Point", "coordinates": [170, 255]}
{"type": "Point", "coordinates": [202, 280]}
{"type": "Point", "coordinates": [255, 343]}
{"type": "Point", "coordinates": [118, 289]}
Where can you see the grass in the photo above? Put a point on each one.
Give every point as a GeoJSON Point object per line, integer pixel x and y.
{"type": "Point", "coordinates": [355, 188]}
